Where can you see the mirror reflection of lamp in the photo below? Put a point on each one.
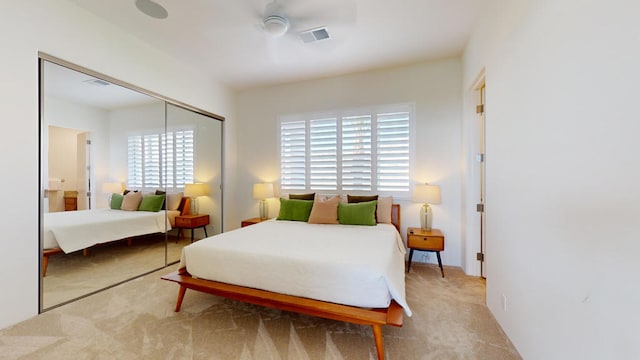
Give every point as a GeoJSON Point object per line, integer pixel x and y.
{"type": "Point", "coordinates": [111, 188]}
{"type": "Point", "coordinates": [426, 194]}
{"type": "Point", "coordinates": [262, 192]}
{"type": "Point", "coordinates": [194, 191]}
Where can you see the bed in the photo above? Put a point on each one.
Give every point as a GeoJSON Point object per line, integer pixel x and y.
{"type": "Point", "coordinates": [69, 231]}
{"type": "Point", "coordinates": [357, 272]}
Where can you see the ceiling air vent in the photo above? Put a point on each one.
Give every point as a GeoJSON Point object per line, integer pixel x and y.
{"type": "Point", "coordinates": [97, 82]}
{"type": "Point", "coordinates": [313, 35]}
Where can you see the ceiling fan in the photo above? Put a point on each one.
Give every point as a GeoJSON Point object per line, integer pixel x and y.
{"type": "Point", "coordinates": [290, 18]}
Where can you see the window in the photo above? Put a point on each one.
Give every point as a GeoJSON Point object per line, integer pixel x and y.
{"type": "Point", "coordinates": [160, 160]}
{"type": "Point", "coordinates": [351, 151]}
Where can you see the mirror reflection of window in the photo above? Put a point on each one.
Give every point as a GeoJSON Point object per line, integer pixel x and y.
{"type": "Point", "coordinates": [98, 141]}
{"type": "Point", "coordinates": [161, 160]}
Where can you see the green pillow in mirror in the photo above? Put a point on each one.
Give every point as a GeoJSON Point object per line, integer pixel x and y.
{"type": "Point", "coordinates": [151, 203]}
{"type": "Point", "coordinates": [116, 201]}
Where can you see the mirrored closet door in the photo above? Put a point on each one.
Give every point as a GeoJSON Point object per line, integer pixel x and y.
{"type": "Point", "coordinates": [196, 152]}
{"type": "Point", "coordinates": [118, 168]}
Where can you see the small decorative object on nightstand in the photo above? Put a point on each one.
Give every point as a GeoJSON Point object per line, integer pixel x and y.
{"type": "Point", "coordinates": [247, 222]}
{"type": "Point", "coordinates": [422, 240]}
{"type": "Point", "coordinates": [191, 222]}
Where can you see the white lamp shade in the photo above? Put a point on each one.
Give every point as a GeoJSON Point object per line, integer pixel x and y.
{"type": "Point", "coordinates": [195, 190]}
{"type": "Point", "coordinates": [112, 187]}
{"type": "Point", "coordinates": [262, 191]}
{"type": "Point", "coordinates": [427, 194]}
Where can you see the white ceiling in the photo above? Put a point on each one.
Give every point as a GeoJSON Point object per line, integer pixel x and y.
{"type": "Point", "coordinates": [73, 86]}
{"type": "Point", "coordinates": [224, 38]}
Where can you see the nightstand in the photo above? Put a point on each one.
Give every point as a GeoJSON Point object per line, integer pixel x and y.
{"type": "Point", "coordinates": [191, 222]}
{"type": "Point", "coordinates": [247, 222]}
{"type": "Point", "coordinates": [422, 240]}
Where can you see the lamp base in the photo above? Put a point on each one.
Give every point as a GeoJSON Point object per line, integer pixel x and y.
{"type": "Point", "coordinates": [194, 206]}
{"type": "Point", "coordinates": [264, 209]}
{"type": "Point", "coordinates": [425, 217]}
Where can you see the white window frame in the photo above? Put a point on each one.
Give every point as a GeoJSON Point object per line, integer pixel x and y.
{"type": "Point", "coordinates": [339, 115]}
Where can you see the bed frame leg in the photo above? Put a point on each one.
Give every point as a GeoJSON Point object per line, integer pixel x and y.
{"type": "Point", "coordinates": [377, 336]}
{"type": "Point", "coordinates": [181, 292]}
{"type": "Point", "coordinates": [45, 263]}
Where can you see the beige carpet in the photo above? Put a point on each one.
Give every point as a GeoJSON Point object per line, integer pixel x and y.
{"type": "Point", "coordinates": [136, 320]}
{"type": "Point", "coordinates": [73, 275]}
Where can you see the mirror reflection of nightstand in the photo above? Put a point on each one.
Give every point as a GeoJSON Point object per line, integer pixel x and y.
{"type": "Point", "coordinates": [191, 222]}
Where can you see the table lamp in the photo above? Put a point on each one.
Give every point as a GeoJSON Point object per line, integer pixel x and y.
{"type": "Point", "coordinates": [194, 191]}
{"type": "Point", "coordinates": [426, 194]}
{"type": "Point", "coordinates": [112, 188]}
{"type": "Point", "coordinates": [262, 192]}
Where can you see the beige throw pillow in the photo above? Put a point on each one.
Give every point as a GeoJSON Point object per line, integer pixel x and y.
{"type": "Point", "coordinates": [324, 211]}
{"type": "Point", "coordinates": [383, 212]}
{"type": "Point", "coordinates": [173, 200]}
{"type": "Point", "coordinates": [131, 201]}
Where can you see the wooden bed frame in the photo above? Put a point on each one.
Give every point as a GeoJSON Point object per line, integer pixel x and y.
{"type": "Point", "coordinates": [184, 208]}
{"type": "Point", "coordinates": [393, 315]}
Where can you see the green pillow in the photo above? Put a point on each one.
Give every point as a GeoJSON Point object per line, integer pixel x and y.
{"type": "Point", "coordinates": [151, 203]}
{"type": "Point", "coordinates": [295, 210]}
{"type": "Point", "coordinates": [362, 213]}
{"type": "Point", "coordinates": [116, 201]}
{"type": "Point", "coordinates": [160, 192]}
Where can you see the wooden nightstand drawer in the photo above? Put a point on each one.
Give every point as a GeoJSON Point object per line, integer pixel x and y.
{"type": "Point", "coordinates": [426, 242]}
{"type": "Point", "coordinates": [191, 221]}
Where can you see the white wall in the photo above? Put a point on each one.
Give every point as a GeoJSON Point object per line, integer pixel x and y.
{"type": "Point", "coordinates": [562, 173]}
{"type": "Point", "coordinates": [434, 87]}
{"type": "Point", "coordinates": [80, 117]}
{"type": "Point", "coordinates": [61, 29]}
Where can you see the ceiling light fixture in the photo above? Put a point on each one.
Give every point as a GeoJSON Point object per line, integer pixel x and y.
{"type": "Point", "coordinates": [152, 9]}
{"type": "Point", "coordinates": [276, 25]}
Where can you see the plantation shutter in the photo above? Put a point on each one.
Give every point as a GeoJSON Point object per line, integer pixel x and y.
{"type": "Point", "coordinates": [168, 151]}
{"type": "Point", "coordinates": [161, 160]}
{"type": "Point", "coordinates": [184, 158]}
{"type": "Point", "coordinates": [356, 153]}
{"type": "Point", "coordinates": [323, 154]}
{"type": "Point", "coordinates": [293, 155]}
{"type": "Point", "coordinates": [134, 162]}
{"type": "Point", "coordinates": [151, 161]}
{"type": "Point", "coordinates": [393, 153]}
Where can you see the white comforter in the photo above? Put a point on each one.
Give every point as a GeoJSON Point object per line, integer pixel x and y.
{"type": "Point", "coordinates": [346, 264]}
{"type": "Point", "coordinates": [77, 230]}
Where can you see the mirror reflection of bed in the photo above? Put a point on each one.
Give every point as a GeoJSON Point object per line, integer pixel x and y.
{"type": "Point", "coordinates": [96, 135]}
